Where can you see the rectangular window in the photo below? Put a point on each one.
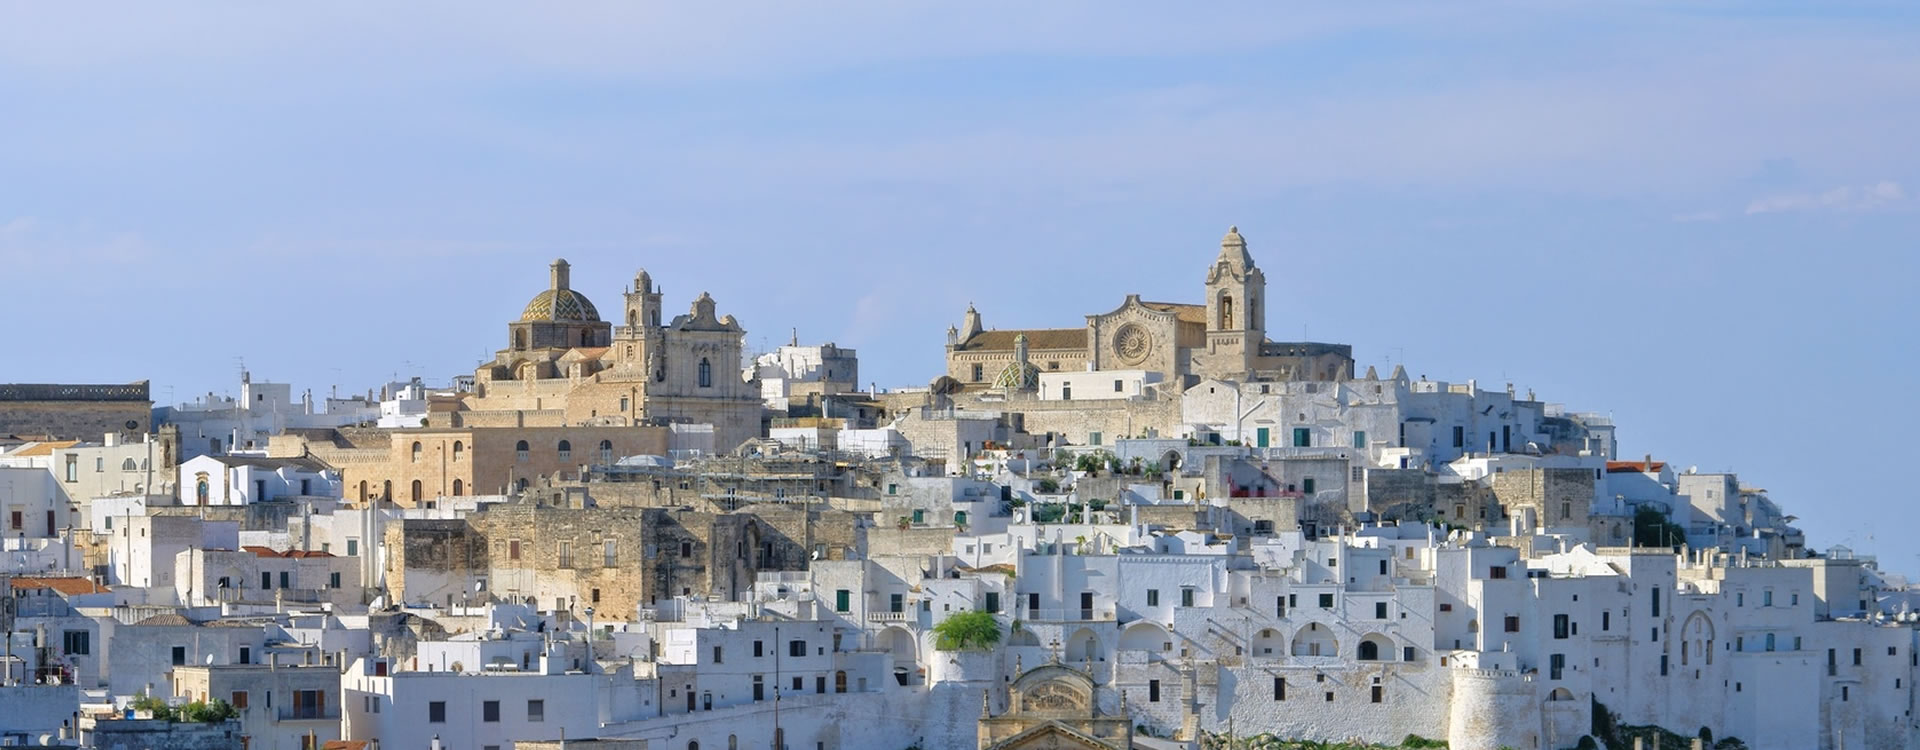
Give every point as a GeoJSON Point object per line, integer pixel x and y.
{"type": "Point", "coordinates": [73, 468]}
{"type": "Point", "coordinates": [77, 642]}
{"type": "Point", "coordinates": [919, 516]}
{"type": "Point", "coordinates": [1279, 688]}
{"type": "Point", "coordinates": [718, 656]}
{"type": "Point", "coordinates": [1359, 440]}
{"type": "Point", "coordinates": [896, 603]}
{"type": "Point", "coordinates": [566, 554]}
{"type": "Point", "coordinates": [1378, 693]}
{"type": "Point", "coordinates": [1555, 665]}
{"type": "Point", "coordinates": [1856, 657]}
{"type": "Point", "coordinates": [1307, 485]}
{"type": "Point", "coordinates": [536, 710]}
{"type": "Point", "coordinates": [796, 648]}
{"type": "Point", "coordinates": [1280, 607]}
{"type": "Point", "coordinates": [490, 711]}
{"type": "Point", "coordinates": [239, 699]}
{"type": "Point", "coordinates": [1459, 436]}
{"type": "Point", "coordinates": [1153, 597]}
{"type": "Point", "coordinates": [285, 579]}
{"type": "Point", "coordinates": [1512, 624]}
{"type": "Point", "coordinates": [333, 580]}
{"type": "Point", "coordinates": [1359, 474]}
{"type": "Point", "coordinates": [1663, 665]}
{"type": "Point", "coordinates": [1326, 601]}
{"type": "Point", "coordinates": [513, 549]}
{"type": "Point", "coordinates": [1497, 572]}
{"type": "Point", "coordinates": [609, 553]}
{"type": "Point", "coordinates": [758, 649]}
{"type": "Point", "coordinates": [843, 601]}
{"type": "Point", "coordinates": [266, 581]}
{"type": "Point", "coordinates": [1153, 691]}
{"type": "Point", "coordinates": [1186, 597]}
{"type": "Point", "coordinates": [1379, 610]}
{"type": "Point", "coordinates": [1093, 438]}
{"type": "Point", "coordinates": [353, 548]}
{"type": "Point", "coordinates": [1302, 437]}
{"type": "Point", "coordinates": [1560, 627]}
{"type": "Point", "coordinates": [179, 656]}
{"type": "Point", "coordinates": [993, 601]}
{"type": "Point", "coordinates": [1656, 601]}
{"type": "Point", "coordinates": [1033, 601]}
{"type": "Point", "coordinates": [1606, 621]}
{"type": "Point", "coordinates": [437, 712]}
{"type": "Point", "coordinates": [1407, 653]}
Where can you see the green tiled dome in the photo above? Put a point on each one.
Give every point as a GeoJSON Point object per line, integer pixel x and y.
{"type": "Point", "coordinates": [565, 305]}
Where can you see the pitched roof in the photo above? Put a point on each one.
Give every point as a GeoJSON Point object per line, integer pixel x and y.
{"type": "Point", "coordinates": [170, 618]}
{"type": "Point", "coordinates": [259, 551]}
{"type": "Point", "coordinates": [68, 585]}
{"type": "Point", "coordinates": [1037, 339]}
{"type": "Point", "coordinates": [47, 448]}
{"type": "Point", "coordinates": [273, 464]}
{"type": "Point", "coordinates": [1184, 312]}
{"type": "Point", "coordinates": [1615, 467]}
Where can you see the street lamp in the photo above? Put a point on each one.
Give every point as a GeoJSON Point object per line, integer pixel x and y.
{"type": "Point", "coordinates": [593, 687]}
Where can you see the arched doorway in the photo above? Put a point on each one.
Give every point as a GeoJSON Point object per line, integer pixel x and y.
{"type": "Point", "coordinates": [459, 488]}
{"type": "Point", "coordinates": [1373, 646]}
{"type": "Point", "coordinates": [1268, 642]}
{"type": "Point", "coordinates": [416, 490]}
{"type": "Point", "coordinates": [1315, 640]}
{"type": "Point", "coordinates": [1144, 636]}
{"type": "Point", "coordinates": [1083, 646]}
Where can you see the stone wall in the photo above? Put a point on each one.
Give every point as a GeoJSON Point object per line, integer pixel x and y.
{"type": "Point", "coordinates": [37, 411]}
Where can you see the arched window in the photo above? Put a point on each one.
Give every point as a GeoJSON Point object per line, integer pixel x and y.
{"type": "Point", "coordinates": [606, 453]}
{"type": "Point", "coordinates": [520, 451]}
{"type": "Point", "coordinates": [519, 339]}
{"type": "Point", "coordinates": [416, 490]}
{"type": "Point", "coordinates": [416, 451]}
{"type": "Point", "coordinates": [521, 485]}
{"type": "Point", "coordinates": [363, 490]}
{"type": "Point", "coordinates": [129, 465]}
{"type": "Point", "coordinates": [386, 489]}
{"type": "Point", "coordinates": [706, 373]}
{"type": "Point", "coordinates": [586, 338]}
{"type": "Point", "coordinates": [201, 489]}
{"type": "Point", "coordinates": [459, 488]}
{"type": "Point", "coordinates": [633, 318]}
{"type": "Point", "coordinates": [459, 449]}
{"type": "Point", "coordinates": [840, 681]}
{"type": "Point", "coordinates": [1226, 313]}
{"type": "Point", "coordinates": [566, 451]}
{"type": "Point", "coordinates": [1369, 651]}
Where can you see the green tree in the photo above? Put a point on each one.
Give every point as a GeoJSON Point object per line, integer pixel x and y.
{"type": "Point", "coordinates": [1651, 528]}
{"type": "Point", "coordinates": [976, 631]}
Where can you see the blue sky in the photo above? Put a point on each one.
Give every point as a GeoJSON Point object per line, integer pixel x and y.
{"type": "Point", "coordinates": [1698, 216]}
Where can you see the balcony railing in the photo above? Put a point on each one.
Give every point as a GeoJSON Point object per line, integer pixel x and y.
{"type": "Point", "coordinates": [1075, 614]}
{"type": "Point", "coordinates": [889, 616]}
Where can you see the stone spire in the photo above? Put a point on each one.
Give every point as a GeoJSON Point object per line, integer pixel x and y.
{"type": "Point", "coordinates": [558, 273]}
{"type": "Point", "coordinates": [1233, 250]}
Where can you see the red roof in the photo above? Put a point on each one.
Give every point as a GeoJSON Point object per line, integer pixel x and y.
{"type": "Point", "coordinates": [294, 553]}
{"type": "Point", "coordinates": [1620, 466]}
{"type": "Point", "coordinates": [68, 586]}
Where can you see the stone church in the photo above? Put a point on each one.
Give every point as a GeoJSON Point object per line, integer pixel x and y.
{"type": "Point", "coordinates": [1223, 337]}
{"type": "Point", "coordinates": [561, 356]}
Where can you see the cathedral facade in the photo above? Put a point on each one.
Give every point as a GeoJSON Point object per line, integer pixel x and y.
{"type": "Point", "coordinates": [1223, 337]}
{"type": "Point", "coordinates": [561, 355]}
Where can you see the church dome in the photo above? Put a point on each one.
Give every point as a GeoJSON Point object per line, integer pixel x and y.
{"type": "Point", "coordinates": [559, 303]}
{"type": "Point", "coordinates": [562, 305]}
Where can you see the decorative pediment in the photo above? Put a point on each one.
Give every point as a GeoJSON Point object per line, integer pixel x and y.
{"type": "Point", "coordinates": [1052, 734]}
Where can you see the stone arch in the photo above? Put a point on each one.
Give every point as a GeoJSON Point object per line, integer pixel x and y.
{"type": "Point", "coordinates": [416, 490]}
{"type": "Point", "coordinates": [1144, 636]}
{"type": "Point", "coordinates": [1269, 642]}
{"type": "Point", "coordinates": [414, 455]}
{"type": "Point", "coordinates": [1374, 647]}
{"type": "Point", "coordinates": [1560, 695]}
{"type": "Point", "coordinates": [1083, 645]}
{"type": "Point", "coordinates": [905, 648]}
{"type": "Point", "coordinates": [1315, 640]}
{"type": "Point", "coordinates": [1696, 638]}
{"type": "Point", "coordinates": [459, 488]}
{"type": "Point", "coordinates": [1023, 637]}
{"type": "Point", "coordinates": [1226, 312]}
{"type": "Point", "coordinates": [1170, 462]}
{"type": "Point", "coordinates": [363, 490]}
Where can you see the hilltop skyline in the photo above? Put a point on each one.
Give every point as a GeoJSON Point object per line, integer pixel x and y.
{"type": "Point", "coordinates": [1675, 215]}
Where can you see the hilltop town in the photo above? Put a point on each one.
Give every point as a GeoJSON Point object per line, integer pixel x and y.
{"type": "Point", "coordinates": [1150, 527]}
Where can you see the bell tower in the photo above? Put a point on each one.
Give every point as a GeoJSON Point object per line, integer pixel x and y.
{"type": "Point", "coordinates": [643, 305]}
{"type": "Point", "coordinates": [1236, 309]}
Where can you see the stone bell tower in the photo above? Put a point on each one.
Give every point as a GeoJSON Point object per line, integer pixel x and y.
{"type": "Point", "coordinates": [1236, 310]}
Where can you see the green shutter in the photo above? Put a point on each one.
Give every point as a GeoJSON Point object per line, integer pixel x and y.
{"type": "Point", "coordinates": [842, 600]}
{"type": "Point", "coordinates": [1260, 437]}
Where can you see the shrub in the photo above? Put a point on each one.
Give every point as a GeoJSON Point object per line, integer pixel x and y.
{"type": "Point", "coordinates": [976, 631]}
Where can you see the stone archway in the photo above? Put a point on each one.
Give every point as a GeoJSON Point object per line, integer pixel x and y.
{"type": "Point", "coordinates": [1145, 636]}
{"type": "Point", "coordinates": [1083, 645]}
{"type": "Point", "coordinates": [1315, 640]}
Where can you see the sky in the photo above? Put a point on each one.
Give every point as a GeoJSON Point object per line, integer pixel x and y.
{"type": "Point", "coordinates": [1699, 217]}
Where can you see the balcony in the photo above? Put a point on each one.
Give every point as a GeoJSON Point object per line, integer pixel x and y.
{"type": "Point", "coordinates": [889, 616]}
{"type": "Point", "coordinates": [310, 713]}
{"type": "Point", "coordinates": [1075, 614]}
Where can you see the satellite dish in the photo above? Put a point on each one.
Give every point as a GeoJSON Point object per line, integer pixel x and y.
{"type": "Point", "coordinates": [209, 660]}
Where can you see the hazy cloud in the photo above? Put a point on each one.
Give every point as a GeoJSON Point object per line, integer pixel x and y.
{"type": "Point", "coordinates": [1844, 198]}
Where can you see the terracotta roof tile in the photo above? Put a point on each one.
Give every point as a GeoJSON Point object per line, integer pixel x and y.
{"type": "Point", "coordinates": [1614, 467]}
{"type": "Point", "coordinates": [46, 449]}
{"type": "Point", "coordinates": [1184, 312]}
{"type": "Point", "coordinates": [68, 586]}
{"type": "Point", "coordinates": [1037, 339]}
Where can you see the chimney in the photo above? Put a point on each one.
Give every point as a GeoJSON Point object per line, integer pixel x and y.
{"type": "Point", "coordinates": [1649, 462]}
